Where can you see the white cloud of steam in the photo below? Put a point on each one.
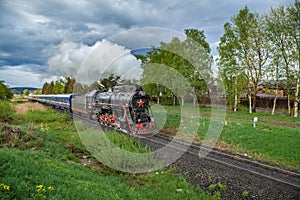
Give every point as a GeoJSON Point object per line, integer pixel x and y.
{"type": "Point", "coordinates": [89, 63]}
{"type": "Point", "coordinates": [68, 58]}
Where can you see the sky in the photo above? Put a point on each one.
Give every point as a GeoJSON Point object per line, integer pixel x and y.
{"type": "Point", "coordinates": [41, 41]}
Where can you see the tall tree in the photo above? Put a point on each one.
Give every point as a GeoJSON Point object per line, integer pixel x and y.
{"type": "Point", "coordinates": [293, 13]}
{"type": "Point", "coordinates": [197, 53]}
{"type": "Point", "coordinates": [284, 34]}
{"type": "Point", "coordinates": [230, 67]}
{"type": "Point", "coordinates": [69, 86]}
{"type": "Point", "coordinates": [168, 54]}
{"type": "Point", "coordinates": [251, 49]}
{"type": "Point", "coordinates": [277, 30]}
{"type": "Point", "coordinates": [59, 86]}
{"type": "Point", "coordinates": [50, 89]}
{"type": "Point", "coordinates": [198, 37]}
{"type": "Point", "coordinates": [190, 58]}
{"type": "Point", "coordinates": [45, 88]}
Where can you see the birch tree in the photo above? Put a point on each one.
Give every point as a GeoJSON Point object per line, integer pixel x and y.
{"type": "Point", "coordinates": [293, 13]}
{"type": "Point", "coordinates": [281, 44]}
{"type": "Point", "coordinates": [251, 49]}
{"type": "Point", "coordinates": [284, 36]}
{"type": "Point", "coordinates": [230, 67]}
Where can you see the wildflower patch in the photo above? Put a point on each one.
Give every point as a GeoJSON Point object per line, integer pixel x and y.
{"type": "Point", "coordinates": [4, 187]}
{"type": "Point", "coordinates": [41, 190]}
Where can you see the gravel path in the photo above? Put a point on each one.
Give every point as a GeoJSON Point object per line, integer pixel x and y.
{"type": "Point", "coordinates": [226, 182]}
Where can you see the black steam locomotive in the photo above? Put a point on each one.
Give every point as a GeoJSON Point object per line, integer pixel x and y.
{"type": "Point", "coordinates": [125, 107]}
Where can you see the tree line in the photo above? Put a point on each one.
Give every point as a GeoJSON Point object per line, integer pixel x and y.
{"type": "Point", "coordinates": [61, 86]}
{"type": "Point", "coordinates": [257, 48]}
{"type": "Point", "coordinates": [253, 48]}
{"type": "Point", "coordinates": [69, 85]}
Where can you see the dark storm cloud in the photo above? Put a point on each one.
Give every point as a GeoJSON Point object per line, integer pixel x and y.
{"type": "Point", "coordinates": [31, 31]}
{"type": "Point", "coordinates": [81, 12]}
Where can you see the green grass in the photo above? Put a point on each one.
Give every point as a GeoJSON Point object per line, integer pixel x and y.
{"type": "Point", "coordinates": [275, 144]}
{"type": "Point", "coordinates": [275, 139]}
{"type": "Point", "coordinates": [7, 113]}
{"type": "Point", "coordinates": [45, 131]}
{"type": "Point", "coordinates": [126, 142]}
{"type": "Point", "coordinates": [117, 150]}
{"type": "Point", "coordinates": [39, 116]}
{"type": "Point", "coordinates": [40, 159]}
{"type": "Point", "coordinates": [25, 172]}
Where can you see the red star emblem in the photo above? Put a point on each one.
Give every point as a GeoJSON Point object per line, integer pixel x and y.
{"type": "Point", "coordinates": [140, 103]}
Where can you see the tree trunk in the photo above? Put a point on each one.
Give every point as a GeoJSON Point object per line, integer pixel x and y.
{"type": "Point", "coordinates": [274, 103]}
{"type": "Point", "coordinates": [296, 102]}
{"type": "Point", "coordinates": [174, 100]}
{"type": "Point", "coordinates": [250, 103]}
{"type": "Point", "coordinates": [254, 98]}
{"type": "Point", "coordinates": [157, 100]}
{"type": "Point", "coordinates": [289, 102]}
{"type": "Point", "coordinates": [182, 101]}
{"type": "Point", "coordinates": [235, 96]}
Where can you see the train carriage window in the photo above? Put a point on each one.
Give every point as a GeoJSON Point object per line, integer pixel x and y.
{"type": "Point", "coordinates": [116, 90]}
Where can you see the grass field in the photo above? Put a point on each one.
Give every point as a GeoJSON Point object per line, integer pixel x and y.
{"type": "Point", "coordinates": [276, 138]}
{"type": "Point", "coordinates": [41, 157]}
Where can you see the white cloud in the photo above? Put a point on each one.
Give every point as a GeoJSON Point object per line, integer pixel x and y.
{"type": "Point", "coordinates": [89, 63]}
{"type": "Point", "coordinates": [68, 58]}
{"type": "Point", "coordinates": [15, 76]}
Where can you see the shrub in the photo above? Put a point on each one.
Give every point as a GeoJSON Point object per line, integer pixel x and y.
{"type": "Point", "coordinates": [7, 113]}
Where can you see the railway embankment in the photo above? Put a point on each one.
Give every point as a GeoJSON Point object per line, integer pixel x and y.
{"type": "Point", "coordinates": [42, 157]}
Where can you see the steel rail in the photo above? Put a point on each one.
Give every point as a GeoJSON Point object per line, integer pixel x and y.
{"type": "Point", "coordinates": [236, 157]}
{"type": "Point", "coordinates": [234, 166]}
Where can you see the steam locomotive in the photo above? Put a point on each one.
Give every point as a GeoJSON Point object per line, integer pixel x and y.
{"type": "Point", "coordinates": [124, 107]}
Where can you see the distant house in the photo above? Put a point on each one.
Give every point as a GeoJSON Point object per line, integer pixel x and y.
{"type": "Point", "coordinates": [267, 89]}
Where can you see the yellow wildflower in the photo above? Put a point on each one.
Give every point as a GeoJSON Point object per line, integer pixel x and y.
{"type": "Point", "coordinates": [50, 188]}
{"type": "Point", "coordinates": [6, 187]}
{"type": "Point", "coordinates": [39, 186]}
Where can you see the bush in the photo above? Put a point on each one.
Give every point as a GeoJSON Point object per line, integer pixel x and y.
{"type": "Point", "coordinates": [7, 113]}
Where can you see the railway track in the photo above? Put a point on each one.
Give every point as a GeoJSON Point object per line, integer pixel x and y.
{"type": "Point", "coordinates": [239, 173]}
{"type": "Point", "coordinates": [234, 161]}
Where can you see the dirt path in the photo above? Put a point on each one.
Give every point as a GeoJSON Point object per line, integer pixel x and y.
{"type": "Point", "coordinates": [23, 108]}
